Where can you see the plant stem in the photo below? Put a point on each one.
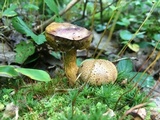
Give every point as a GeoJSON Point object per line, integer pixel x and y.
{"type": "Point", "coordinates": [134, 35]}
{"type": "Point", "coordinates": [70, 66]}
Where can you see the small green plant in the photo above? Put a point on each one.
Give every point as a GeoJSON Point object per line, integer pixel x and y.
{"type": "Point", "coordinates": [13, 72]}
{"type": "Point", "coordinates": [21, 27]}
{"type": "Point", "coordinates": [36, 102]}
{"type": "Point", "coordinates": [23, 51]}
{"type": "Point", "coordinates": [125, 69]}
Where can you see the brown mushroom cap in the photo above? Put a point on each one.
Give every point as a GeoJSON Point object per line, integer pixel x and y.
{"type": "Point", "coordinates": [66, 36]}
{"type": "Point", "coordinates": [97, 71]}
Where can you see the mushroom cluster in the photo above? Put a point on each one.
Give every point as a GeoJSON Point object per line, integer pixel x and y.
{"type": "Point", "coordinates": [97, 71]}
{"type": "Point", "coordinates": [68, 38]}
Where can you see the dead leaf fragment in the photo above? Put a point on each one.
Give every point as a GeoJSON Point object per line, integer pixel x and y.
{"type": "Point", "coordinates": [138, 114]}
{"type": "Point", "coordinates": [11, 111]}
{"type": "Point", "coordinates": [109, 112]}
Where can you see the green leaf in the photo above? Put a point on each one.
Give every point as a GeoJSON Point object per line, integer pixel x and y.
{"type": "Point", "coordinates": [34, 74]}
{"type": "Point", "coordinates": [56, 54]}
{"type": "Point", "coordinates": [125, 66]}
{"type": "Point", "coordinates": [112, 7]}
{"type": "Point", "coordinates": [140, 35]}
{"type": "Point", "coordinates": [59, 19]}
{"type": "Point", "coordinates": [144, 44]}
{"type": "Point", "coordinates": [23, 51]}
{"type": "Point", "coordinates": [143, 79]}
{"type": "Point", "coordinates": [152, 104]}
{"type": "Point", "coordinates": [79, 61]}
{"type": "Point", "coordinates": [125, 34]}
{"type": "Point", "coordinates": [40, 39]}
{"type": "Point", "coordinates": [155, 44]}
{"type": "Point", "coordinates": [8, 71]}
{"type": "Point", "coordinates": [21, 27]}
{"type": "Point", "coordinates": [1, 107]}
{"type": "Point", "coordinates": [30, 6]}
{"type": "Point", "coordinates": [52, 6]}
{"type": "Point", "coordinates": [10, 12]}
{"type": "Point", "coordinates": [124, 22]}
{"type": "Point", "coordinates": [100, 28]}
{"type": "Point", "coordinates": [157, 37]}
{"type": "Point", "coordinates": [134, 47]}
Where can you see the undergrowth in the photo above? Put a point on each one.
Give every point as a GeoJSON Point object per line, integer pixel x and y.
{"type": "Point", "coordinates": [55, 100]}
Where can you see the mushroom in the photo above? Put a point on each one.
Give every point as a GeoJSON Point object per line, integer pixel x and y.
{"type": "Point", "coordinates": [97, 71]}
{"type": "Point", "coordinates": [68, 38]}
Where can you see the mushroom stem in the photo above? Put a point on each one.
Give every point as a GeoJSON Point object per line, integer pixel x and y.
{"type": "Point", "coordinates": [70, 66]}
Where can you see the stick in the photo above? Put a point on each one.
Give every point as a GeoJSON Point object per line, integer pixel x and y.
{"type": "Point", "coordinates": [47, 22]}
{"type": "Point", "coordinates": [133, 108]}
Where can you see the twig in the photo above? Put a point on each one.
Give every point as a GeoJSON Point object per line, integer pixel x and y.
{"type": "Point", "coordinates": [133, 108]}
{"type": "Point", "coordinates": [101, 11]}
{"type": "Point", "coordinates": [68, 7]}
{"type": "Point", "coordinates": [125, 58]}
{"type": "Point", "coordinates": [84, 9]}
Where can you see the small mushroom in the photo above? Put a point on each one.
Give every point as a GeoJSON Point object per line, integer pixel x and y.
{"type": "Point", "coordinates": [68, 38]}
{"type": "Point", "coordinates": [97, 71]}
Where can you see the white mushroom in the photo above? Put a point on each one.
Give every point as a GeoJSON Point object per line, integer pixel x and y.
{"type": "Point", "coordinates": [97, 71]}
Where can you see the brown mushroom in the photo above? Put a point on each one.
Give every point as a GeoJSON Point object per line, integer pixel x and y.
{"type": "Point", "coordinates": [68, 38]}
{"type": "Point", "coordinates": [97, 71]}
